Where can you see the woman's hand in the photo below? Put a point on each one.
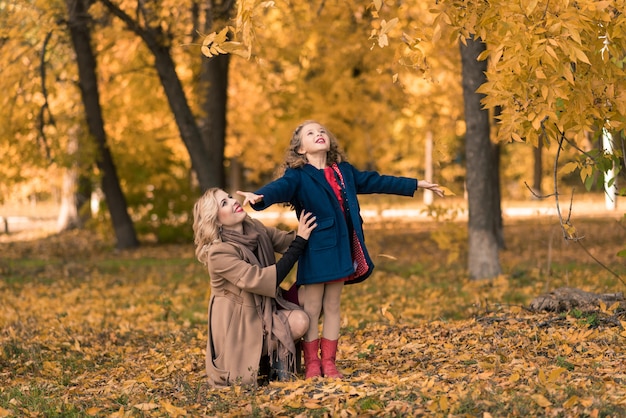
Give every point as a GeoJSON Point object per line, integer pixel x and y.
{"type": "Point", "coordinates": [249, 197]}
{"type": "Point", "coordinates": [306, 224]}
{"type": "Point", "coordinates": [430, 186]}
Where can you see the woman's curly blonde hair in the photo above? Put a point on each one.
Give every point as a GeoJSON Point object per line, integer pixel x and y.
{"type": "Point", "coordinates": [206, 229]}
{"type": "Point", "coordinates": [294, 159]}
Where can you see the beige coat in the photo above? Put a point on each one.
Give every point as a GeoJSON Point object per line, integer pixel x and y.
{"type": "Point", "coordinates": [235, 334]}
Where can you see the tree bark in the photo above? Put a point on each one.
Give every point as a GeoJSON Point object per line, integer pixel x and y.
{"type": "Point", "coordinates": [81, 39]}
{"type": "Point", "coordinates": [497, 197]}
{"type": "Point", "coordinates": [483, 259]}
{"type": "Point", "coordinates": [155, 40]}
{"type": "Point", "coordinates": [214, 78]}
{"type": "Point", "coordinates": [538, 168]}
{"type": "Point", "coordinates": [68, 218]}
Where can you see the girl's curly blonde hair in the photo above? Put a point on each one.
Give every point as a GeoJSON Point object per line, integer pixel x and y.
{"type": "Point", "coordinates": [294, 159]}
{"type": "Point", "coordinates": [206, 229]}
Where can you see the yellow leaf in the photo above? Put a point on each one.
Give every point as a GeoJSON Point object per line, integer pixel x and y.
{"type": "Point", "coordinates": [571, 231]}
{"type": "Point", "coordinates": [312, 405]}
{"type": "Point", "coordinates": [383, 41]}
{"type": "Point", "coordinates": [540, 74]}
{"type": "Point", "coordinates": [514, 377]}
{"type": "Point", "coordinates": [541, 400]}
{"type": "Point", "coordinates": [567, 73]}
{"type": "Point", "coordinates": [385, 26]}
{"type": "Point", "coordinates": [436, 33]}
{"type": "Point", "coordinates": [147, 406]}
{"type": "Point", "coordinates": [93, 411]}
{"type": "Point", "coordinates": [554, 374]}
{"type": "Point", "coordinates": [205, 51]}
{"type": "Point", "coordinates": [172, 410]}
{"type": "Point", "coordinates": [551, 52]}
{"type": "Point", "coordinates": [569, 167]}
{"type": "Point", "coordinates": [389, 316]}
{"type": "Point", "coordinates": [581, 56]}
{"type": "Point", "coordinates": [613, 307]}
{"type": "Point", "coordinates": [572, 401]}
{"type": "Point", "coordinates": [443, 403]}
{"type": "Point", "coordinates": [446, 191]}
{"type": "Point", "coordinates": [542, 377]}
{"type": "Point", "coordinates": [4, 412]}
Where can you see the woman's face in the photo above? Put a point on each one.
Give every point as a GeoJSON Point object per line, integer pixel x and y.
{"type": "Point", "coordinates": [230, 213]}
{"type": "Point", "coordinates": [314, 138]}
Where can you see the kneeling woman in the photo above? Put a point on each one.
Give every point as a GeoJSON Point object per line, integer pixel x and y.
{"type": "Point", "coordinates": [248, 318]}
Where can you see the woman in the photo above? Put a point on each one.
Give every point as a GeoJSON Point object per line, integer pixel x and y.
{"type": "Point", "coordinates": [248, 318]}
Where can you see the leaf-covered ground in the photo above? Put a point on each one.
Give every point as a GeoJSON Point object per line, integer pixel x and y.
{"type": "Point", "coordinates": [89, 331]}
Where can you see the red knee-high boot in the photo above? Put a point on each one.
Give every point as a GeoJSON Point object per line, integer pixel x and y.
{"type": "Point", "coordinates": [312, 365]}
{"type": "Point", "coordinates": [329, 353]}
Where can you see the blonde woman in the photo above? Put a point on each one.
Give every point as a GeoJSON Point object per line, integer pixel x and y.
{"type": "Point", "coordinates": [248, 319]}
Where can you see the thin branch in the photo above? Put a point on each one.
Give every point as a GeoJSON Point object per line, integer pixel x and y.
{"type": "Point", "coordinates": [538, 196]}
{"type": "Point", "coordinates": [577, 148]}
{"type": "Point", "coordinates": [600, 263]}
{"type": "Point", "coordinates": [133, 25]}
{"type": "Point", "coordinates": [556, 184]}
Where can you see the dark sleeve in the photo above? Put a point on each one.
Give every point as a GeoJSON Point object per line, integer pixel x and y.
{"type": "Point", "coordinates": [286, 263]}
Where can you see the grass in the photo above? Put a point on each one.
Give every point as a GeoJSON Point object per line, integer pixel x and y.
{"type": "Point", "coordinates": [89, 331]}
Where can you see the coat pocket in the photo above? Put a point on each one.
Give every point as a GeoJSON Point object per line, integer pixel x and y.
{"type": "Point", "coordinates": [324, 235]}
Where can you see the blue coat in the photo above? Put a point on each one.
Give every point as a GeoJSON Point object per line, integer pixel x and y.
{"type": "Point", "coordinates": [328, 256]}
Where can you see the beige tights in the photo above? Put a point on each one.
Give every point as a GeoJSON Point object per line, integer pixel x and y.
{"type": "Point", "coordinates": [322, 298]}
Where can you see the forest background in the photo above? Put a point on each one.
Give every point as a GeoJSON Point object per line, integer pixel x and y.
{"type": "Point", "coordinates": [115, 121]}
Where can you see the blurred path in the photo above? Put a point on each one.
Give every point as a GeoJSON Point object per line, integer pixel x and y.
{"type": "Point", "coordinates": [33, 223]}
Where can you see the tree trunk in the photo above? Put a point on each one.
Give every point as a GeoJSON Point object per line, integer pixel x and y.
{"type": "Point", "coordinates": [68, 213]}
{"type": "Point", "coordinates": [483, 241]}
{"type": "Point", "coordinates": [497, 197]}
{"type": "Point", "coordinates": [215, 76]}
{"type": "Point", "coordinates": [538, 168]}
{"type": "Point", "coordinates": [214, 83]}
{"type": "Point", "coordinates": [189, 130]}
{"type": "Point", "coordinates": [154, 38]}
{"type": "Point", "coordinates": [116, 202]}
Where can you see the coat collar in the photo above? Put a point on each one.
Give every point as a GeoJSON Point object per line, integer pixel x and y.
{"type": "Point", "coordinates": [318, 176]}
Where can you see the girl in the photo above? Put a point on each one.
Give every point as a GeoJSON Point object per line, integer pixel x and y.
{"type": "Point", "coordinates": [317, 178]}
{"type": "Point", "coordinates": [245, 322]}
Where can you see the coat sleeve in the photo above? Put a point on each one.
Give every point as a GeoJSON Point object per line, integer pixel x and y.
{"type": "Point", "coordinates": [281, 190]}
{"type": "Point", "coordinates": [280, 239]}
{"type": "Point", "coordinates": [226, 263]}
{"type": "Point", "coordinates": [368, 182]}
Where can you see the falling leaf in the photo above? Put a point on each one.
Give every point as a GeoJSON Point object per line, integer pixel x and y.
{"type": "Point", "coordinates": [446, 191]}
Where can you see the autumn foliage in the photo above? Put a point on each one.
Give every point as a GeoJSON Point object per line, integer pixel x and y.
{"type": "Point", "coordinates": [89, 331]}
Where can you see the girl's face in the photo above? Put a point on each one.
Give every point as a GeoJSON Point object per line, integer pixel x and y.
{"type": "Point", "coordinates": [230, 213]}
{"type": "Point", "coordinates": [314, 139]}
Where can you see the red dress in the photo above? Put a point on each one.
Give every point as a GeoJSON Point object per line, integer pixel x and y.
{"type": "Point", "coordinates": [334, 178]}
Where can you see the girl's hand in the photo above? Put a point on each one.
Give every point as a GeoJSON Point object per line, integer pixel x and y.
{"type": "Point", "coordinates": [430, 186]}
{"type": "Point", "coordinates": [306, 224]}
{"type": "Point", "coordinates": [250, 198]}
